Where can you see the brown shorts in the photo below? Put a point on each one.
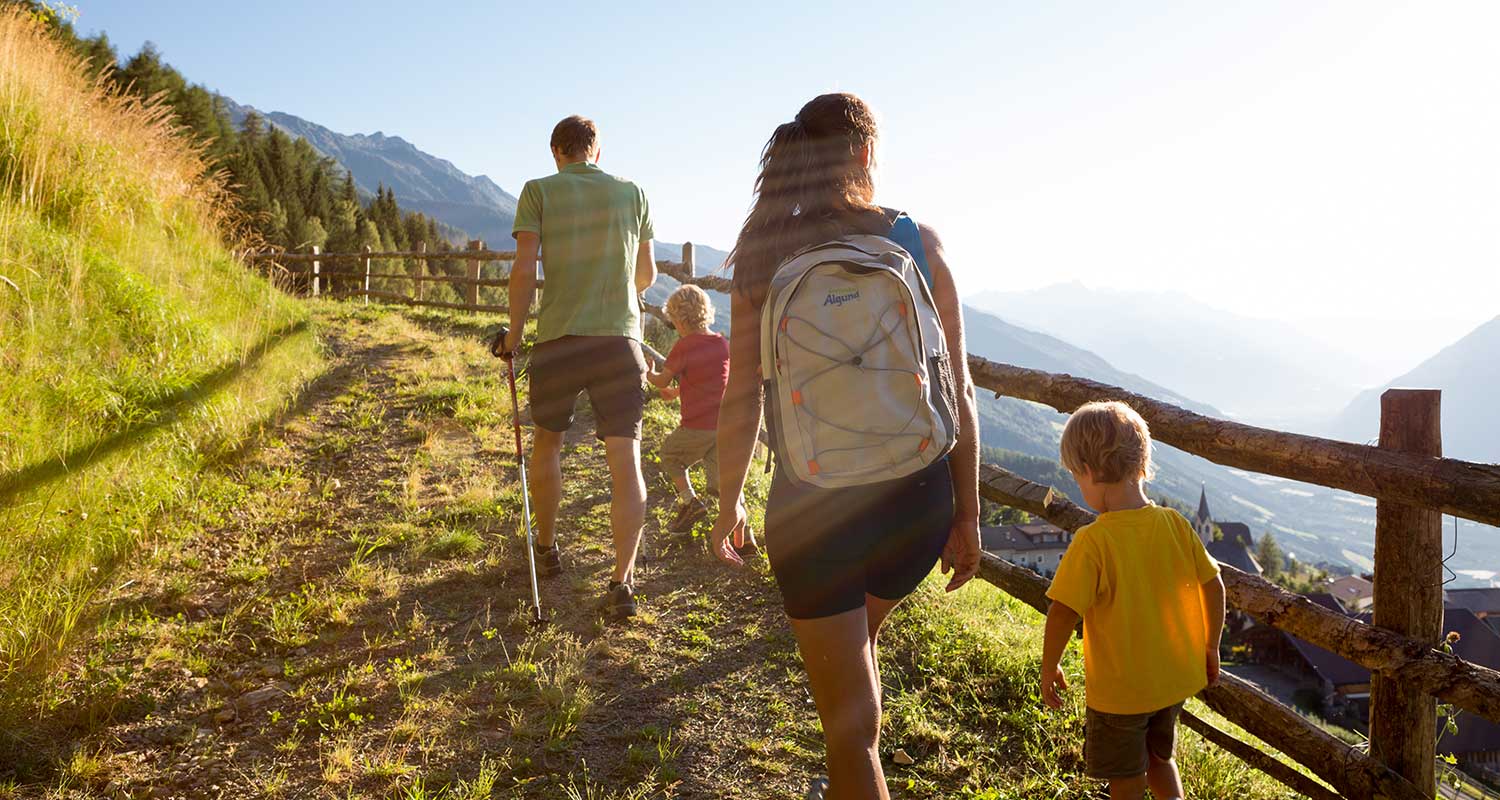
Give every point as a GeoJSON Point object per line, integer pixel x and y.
{"type": "Point", "coordinates": [1117, 745]}
{"type": "Point", "coordinates": [685, 447]}
{"type": "Point", "coordinates": [609, 368]}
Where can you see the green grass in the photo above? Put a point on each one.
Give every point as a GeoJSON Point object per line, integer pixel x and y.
{"type": "Point", "coordinates": [138, 350]}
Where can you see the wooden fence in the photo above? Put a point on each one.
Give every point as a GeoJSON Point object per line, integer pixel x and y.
{"type": "Point", "coordinates": [1412, 484]}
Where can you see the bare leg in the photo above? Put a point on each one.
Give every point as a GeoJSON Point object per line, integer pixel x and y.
{"type": "Point", "coordinates": [545, 474]}
{"type": "Point", "coordinates": [1162, 776]}
{"type": "Point", "coordinates": [680, 480]}
{"type": "Point", "coordinates": [836, 651]}
{"type": "Point", "coordinates": [1127, 788]}
{"type": "Point", "coordinates": [627, 507]}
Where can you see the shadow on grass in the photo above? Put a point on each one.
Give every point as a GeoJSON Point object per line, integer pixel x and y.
{"type": "Point", "coordinates": [163, 412]}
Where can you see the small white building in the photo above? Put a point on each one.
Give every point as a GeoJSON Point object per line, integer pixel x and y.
{"type": "Point", "coordinates": [1038, 546]}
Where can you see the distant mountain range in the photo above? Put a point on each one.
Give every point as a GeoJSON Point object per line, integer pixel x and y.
{"type": "Point", "coordinates": [1138, 341]}
{"type": "Point", "coordinates": [1468, 372]}
{"type": "Point", "coordinates": [473, 204]}
{"type": "Point", "coordinates": [1256, 370]}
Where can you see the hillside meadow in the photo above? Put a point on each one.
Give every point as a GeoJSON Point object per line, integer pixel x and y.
{"type": "Point", "coordinates": [137, 349]}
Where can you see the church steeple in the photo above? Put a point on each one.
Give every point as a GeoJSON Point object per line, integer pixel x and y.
{"type": "Point", "coordinates": [1203, 522]}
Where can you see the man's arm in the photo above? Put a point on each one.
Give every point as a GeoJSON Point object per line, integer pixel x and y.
{"type": "Point", "coordinates": [522, 286]}
{"type": "Point", "coordinates": [1061, 621]}
{"type": "Point", "coordinates": [645, 266]}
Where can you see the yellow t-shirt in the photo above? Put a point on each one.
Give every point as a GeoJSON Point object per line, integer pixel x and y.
{"type": "Point", "coordinates": [1135, 576]}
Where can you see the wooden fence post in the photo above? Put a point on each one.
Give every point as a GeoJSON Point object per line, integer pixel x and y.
{"type": "Point", "coordinates": [687, 259]}
{"type": "Point", "coordinates": [317, 271]}
{"type": "Point", "coordinates": [421, 270]}
{"type": "Point", "coordinates": [471, 293]}
{"type": "Point", "coordinates": [1408, 591]}
{"type": "Point", "coordinates": [367, 274]}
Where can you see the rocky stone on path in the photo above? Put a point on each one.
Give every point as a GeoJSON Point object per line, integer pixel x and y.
{"type": "Point", "coordinates": [265, 694]}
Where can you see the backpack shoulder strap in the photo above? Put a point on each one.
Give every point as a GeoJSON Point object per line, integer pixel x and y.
{"type": "Point", "coordinates": [904, 232]}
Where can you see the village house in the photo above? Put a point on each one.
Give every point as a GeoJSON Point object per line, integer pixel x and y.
{"type": "Point", "coordinates": [1038, 546]}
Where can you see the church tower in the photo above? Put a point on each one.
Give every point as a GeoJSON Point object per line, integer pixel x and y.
{"type": "Point", "coordinates": [1203, 522]}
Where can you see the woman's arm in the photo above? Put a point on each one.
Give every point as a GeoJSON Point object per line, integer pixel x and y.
{"type": "Point", "coordinates": [962, 553]}
{"type": "Point", "coordinates": [739, 420]}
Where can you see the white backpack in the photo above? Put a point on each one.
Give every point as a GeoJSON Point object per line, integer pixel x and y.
{"type": "Point", "coordinates": [859, 386]}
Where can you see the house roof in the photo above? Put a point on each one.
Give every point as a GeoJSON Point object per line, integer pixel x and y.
{"type": "Point", "coordinates": [1480, 601]}
{"type": "Point", "coordinates": [1203, 514]}
{"type": "Point", "coordinates": [1350, 588]}
{"type": "Point", "coordinates": [1327, 601]}
{"type": "Point", "coordinates": [1238, 533]}
{"type": "Point", "coordinates": [1023, 537]}
{"type": "Point", "coordinates": [1235, 555]}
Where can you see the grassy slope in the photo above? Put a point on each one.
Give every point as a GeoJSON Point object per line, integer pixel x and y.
{"type": "Point", "coordinates": [136, 348]}
{"type": "Point", "coordinates": [363, 563]}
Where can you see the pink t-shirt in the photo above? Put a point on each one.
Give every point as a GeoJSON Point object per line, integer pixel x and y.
{"type": "Point", "coordinates": [701, 363]}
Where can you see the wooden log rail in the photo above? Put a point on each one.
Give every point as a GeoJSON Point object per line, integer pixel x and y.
{"type": "Point", "coordinates": [1459, 488]}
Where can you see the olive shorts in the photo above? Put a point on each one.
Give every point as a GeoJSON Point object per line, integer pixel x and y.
{"type": "Point", "coordinates": [685, 447]}
{"type": "Point", "coordinates": [1120, 745]}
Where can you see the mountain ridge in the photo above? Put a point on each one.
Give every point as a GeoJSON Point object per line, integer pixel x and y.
{"type": "Point", "coordinates": [474, 204]}
{"type": "Point", "coordinates": [1468, 373]}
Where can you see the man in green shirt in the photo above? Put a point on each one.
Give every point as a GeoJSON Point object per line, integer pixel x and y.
{"type": "Point", "coordinates": [593, 232]}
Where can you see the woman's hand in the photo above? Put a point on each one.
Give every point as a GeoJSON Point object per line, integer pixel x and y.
{"type": "Point", "coordinates": [731, 519]}
{"type": "Point", "coordinates": [1212, 659]}
{"type": "Point", "coordinates": [961, 553]}
{"type": "Point", "coordinates": [670, 392]}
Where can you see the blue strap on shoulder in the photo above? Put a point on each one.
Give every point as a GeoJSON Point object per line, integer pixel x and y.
{"type": "Point", "coordinates": [904, 232]}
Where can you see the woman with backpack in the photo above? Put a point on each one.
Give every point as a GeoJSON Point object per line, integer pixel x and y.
{"type": "Point", "coordinates": [845, 316]}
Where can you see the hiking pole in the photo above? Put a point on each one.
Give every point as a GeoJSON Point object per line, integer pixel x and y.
{"type": "Point", "coordinates": [497, 348]}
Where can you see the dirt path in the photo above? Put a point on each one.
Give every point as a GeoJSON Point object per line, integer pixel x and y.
{"type": "Point", "coordinates": [351, 622]}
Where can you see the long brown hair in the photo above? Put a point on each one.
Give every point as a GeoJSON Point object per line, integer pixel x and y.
{"type": "Point", "coordinates": [812, 187]}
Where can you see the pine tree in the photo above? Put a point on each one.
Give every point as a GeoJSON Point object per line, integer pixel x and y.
{"type": "Point", "coordinates": [1268, 553]}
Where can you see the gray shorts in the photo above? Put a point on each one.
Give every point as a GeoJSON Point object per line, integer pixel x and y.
{"type": "Point", "coordinates": [685, 447]}
{"type": "Point", "coordinates": [1119, 745]}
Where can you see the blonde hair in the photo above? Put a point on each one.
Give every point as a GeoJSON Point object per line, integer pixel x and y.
{"type": "Point", "coordinates": [1111, 439]}
{"type": "Point", "coordinates": [690, 306]}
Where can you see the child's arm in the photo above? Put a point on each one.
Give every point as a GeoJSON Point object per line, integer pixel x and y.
{"type": "Point", "coordinates": [1213, 605]}
{"type": "Point", "coordinates": [1061, 621]}
{"type": "Point", "coordinates": [662, 379]}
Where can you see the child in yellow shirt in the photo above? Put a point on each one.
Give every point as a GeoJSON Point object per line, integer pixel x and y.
{"type": "Point", "coordinates": [1152, 604]}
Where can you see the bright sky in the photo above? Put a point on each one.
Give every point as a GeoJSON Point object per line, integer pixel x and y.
{"type": "Point", "coordinates": [1332, 164]}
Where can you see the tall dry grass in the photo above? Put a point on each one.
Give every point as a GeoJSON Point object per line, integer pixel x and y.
{"type": "Point", "coordinates": [128, 333]}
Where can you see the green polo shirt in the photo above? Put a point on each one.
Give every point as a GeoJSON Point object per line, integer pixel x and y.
{"type": "Point", "coordinates": [591, 225]}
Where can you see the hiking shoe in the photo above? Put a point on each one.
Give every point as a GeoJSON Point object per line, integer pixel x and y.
{"type": "Point", "coordinates": [817, 789]}
{"type": "Point", "coordinates": [548, 562]}
{"type": "Point", "coordinates": [619, 601]}
{"type": "Point", "coordinates": [687, 516]}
